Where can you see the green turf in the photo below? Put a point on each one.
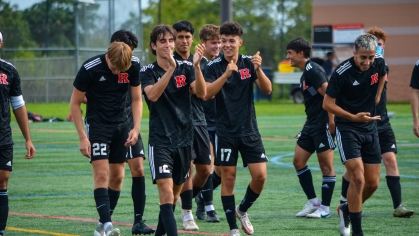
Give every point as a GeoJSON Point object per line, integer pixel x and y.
{"type": "Point", "coordinates": [58, 182]}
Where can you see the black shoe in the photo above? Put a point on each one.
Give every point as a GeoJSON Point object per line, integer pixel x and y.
{"type": "Point", "coordinates": [200, 207]}
{"type": "Point", "coordinates": [212, 217]}
{"type": "Point", "coordinates": [141, 228]}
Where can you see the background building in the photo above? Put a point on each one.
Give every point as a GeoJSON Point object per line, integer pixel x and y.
{"type": "Point", "coordinates": [399, 18]}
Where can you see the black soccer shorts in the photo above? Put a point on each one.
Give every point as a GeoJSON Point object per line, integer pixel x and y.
{"type": "Point", "coordinates": [108, 143]}
{"type": "Point", "coordinates": [387, 140]}
{"type": "Point", "coordinates": [201, 153]}
{"type": "Point", "coordinates": [6, 157]}
{"type": "Point", "coordinates": [169, 163]}
{"type": "Point", "coordinates": [316, 138]}
{"type": "Point", "coordinates": [357, 145]}
{"type": "Point", "coordinates": [250, 147]}
{"type": "Point", "coordinates": [137, 150]}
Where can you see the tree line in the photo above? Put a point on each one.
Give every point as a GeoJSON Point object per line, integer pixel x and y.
{"type": "Point", "coordinates": [268, 24]}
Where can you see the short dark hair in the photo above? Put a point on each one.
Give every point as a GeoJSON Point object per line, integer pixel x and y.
{"type": "Point", "coordinates": [329, 54]}
{"type": "Point", "coordinates": [299, 45]}
{"type": "Point", "coordinates": [125, 36]}
{"type": "Point", "coordinates": [184, 25]}
{"type": "Point", "coordinates": [158, 31]}
{"type": "Point", "coordinates": [231, 28]}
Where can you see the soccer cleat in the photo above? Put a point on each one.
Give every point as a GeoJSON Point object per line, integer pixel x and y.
{"type": "Point", "coordinates": [190, 225]}
{"type": "Point", "coordinates": [344, 228]}
{"type": "Point", "coordinates": [319, 213]}
{"type": "Point", "coordinates": [244, 220]}
{"type": "Point", "coordinates": [111, 231]}
{"type": "Point", "coordinates": [343, 200]}
{"type": "Point", "coordinates": [212, 217]}
{"type": "Point", "coordinates": [100, 231]}
{"type": "Point", "coordinates": [200, 207]}
{"type": "Point", "coordinates": [401, 211]}
{"type": "Point", "coordinates": [234, 232]}
{"type": "Point", "coordinates": [308, 209]}
{"type": "Point", "coordinates": [142, 228]}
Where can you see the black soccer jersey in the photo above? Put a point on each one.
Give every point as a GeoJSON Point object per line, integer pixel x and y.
{"type": "Point", "coordinates": [209, 105]}
{"type": "Point", "coordinates": [312, 79]}
{"type": "Point", "coordinates": [355, 92]}
{"type": "Point", "coordinates": [198, 115]}
{"type": "Point", "coordinates": [106, 92]}
{"type": "Point", "coordinates": [171, 115]}
{"type": "Point", "coordinates": [9, 86]}
{"type": "Point", "coordinates": [381, 108]}
{"type": "Point", "coordinates": [236, 115]}
{"type": "Point", "coordinates": [414, 82]}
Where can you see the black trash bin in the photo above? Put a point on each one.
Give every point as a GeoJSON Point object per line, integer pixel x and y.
{"type": "Point", "coordinates": [258, 94]}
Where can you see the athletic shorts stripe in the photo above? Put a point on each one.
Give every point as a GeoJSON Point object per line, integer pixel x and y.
{"type": "Point", "coordinates": [129, 153]}
{"type": "Point", "coordinates": [151, 161]}
{"type": "Point", "coordinates": [330, 137]}
{"type": "Point", "coordinates": [339, 141]}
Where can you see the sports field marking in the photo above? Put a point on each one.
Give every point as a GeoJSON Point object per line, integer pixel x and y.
{"type": "Point", "coordinates": [35, 231]}
{"type": "Point", "coordinates": [276, 160]}
{"type": "Point", "coordinates": [90, 220]}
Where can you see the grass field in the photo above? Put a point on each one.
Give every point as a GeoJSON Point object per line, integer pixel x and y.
{"type": "Point", "coordinates": [52, 193]}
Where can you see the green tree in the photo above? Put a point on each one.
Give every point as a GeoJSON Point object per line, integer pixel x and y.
{"type": "Point", "coordinates": [15, 30]}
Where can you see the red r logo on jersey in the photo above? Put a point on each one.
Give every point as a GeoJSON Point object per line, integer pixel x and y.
{"type": "Point", "coordinates": [304, 85]}
{"type": "Point", "coordinates": [374, 78]}
{"type": "Point", "coordinates": [123, 78]}
{"type": "Point", "coordinates": [244, 73]}
{"type": "Point", "coordinates": [180, 81]}
{"type": "Point", "coordinates": [3, 79]}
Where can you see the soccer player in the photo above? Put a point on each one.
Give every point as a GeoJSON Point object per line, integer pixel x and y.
{"type": "Point", "coordinates": [317, 132]}
{"type": "Point", "coordinates": [230, 79]}
{"type": "Point", "coordinates": [201, 154]}
{"type": "Point", "coordinates": [353, 91]}
{"type": "Point", "coordinates": [414, 100]}
{"type": "Point", "coordinates": [11, 94]}
{"type": "Point", "coordinates": [135, 160]}
{"type": "Point", "coordinates": [106, 81]}
{"type": "Point", "coordinates": [167, 84]}
{"type": "Point", "coordinates": [209, 35]}
{"type": "Point", "coordinates": [387, 141]}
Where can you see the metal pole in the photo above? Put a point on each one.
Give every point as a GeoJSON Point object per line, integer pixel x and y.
{"type": "Point", "coordinates": [46, 80]}
{"type": "Point", "coordinates": [110, 18]}
{"type": "Point", "coordinates": [226, 10]}
{"type": "Point", "coordinates": [76, 32]}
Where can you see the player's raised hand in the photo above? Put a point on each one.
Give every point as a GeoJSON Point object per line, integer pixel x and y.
{"type": "Point", "coordinates": [365, 117]}
{"type": "Point", "coordinates": [170, 58]}
{"type": "Point", "coordinates": [199, 53]}
{"type": "Point", "coordinates": [230, 68]}
{"type": "Point", "coordinates": [256, 60]}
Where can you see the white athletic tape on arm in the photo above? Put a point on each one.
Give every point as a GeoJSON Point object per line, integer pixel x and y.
{"type": "Point", "coordinates": [1, 37]}
{"type": "Point", "coordinates": [17, 102]}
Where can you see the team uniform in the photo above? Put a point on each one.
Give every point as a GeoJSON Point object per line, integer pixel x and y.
{"type": "Point", "coordinates": [385, 132]}
{"type": "Point", "coordinates": [236, 119]}
{"type": "Point", "coordinates": [414, 82]}
{"type": "Point", "coordinates": [107, 122]}
{"type": "Point", "coordinates": [355, 92]}
{"type": "Point", "coordinates": [9, 87]}
{"type": "Point", "coordinates": [171, 128]}
{"type": "Point", "coordinates": [201, 147]}
{"type": "Point", "coordinates": [210, 110]}
{"type": "Point", "coordinates": [315, 135]}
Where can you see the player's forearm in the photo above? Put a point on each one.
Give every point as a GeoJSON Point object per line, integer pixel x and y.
{"type": "Point", "coordinates": [330, 106]}
{"type": "Point", "coordinates": [331, 117]}
{"type": "Point", "coordinates": [155, 91]}
{"type": "Point", "coordinates": [414, 103]}
{"type": "Point", "coordinates": [214, 87]}
{"type": "Point", "coordinates": [380, 89]}
{"type": "Point", "coordinates": [22, 120]}
{"type": "Point", "coordinates": [77, 120]}
{"type": "Point", "coordinates": [137, 110]}
{"type": "Point", "coordinates": [200, 85]}
{"type": "Point", "coordinates": [264, 83]}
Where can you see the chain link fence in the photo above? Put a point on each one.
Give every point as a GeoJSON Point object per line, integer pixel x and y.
{"type": "Point", "coordinates": [49, 79]}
